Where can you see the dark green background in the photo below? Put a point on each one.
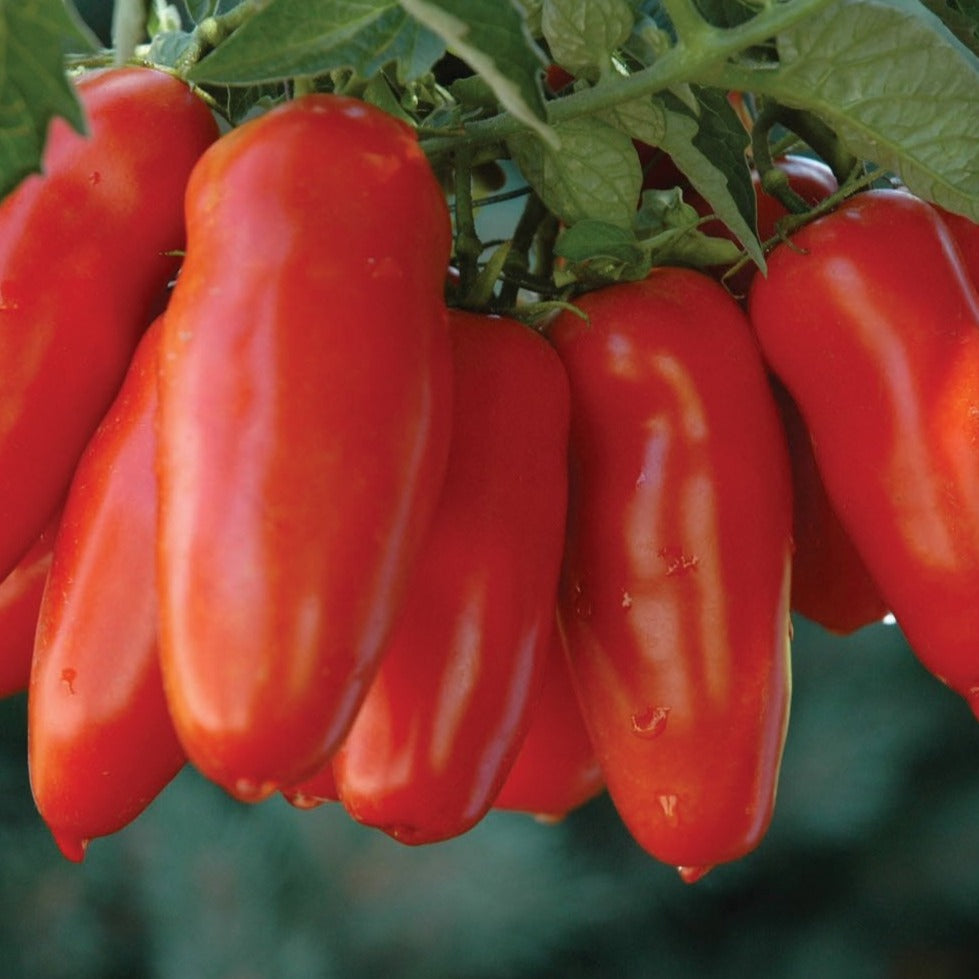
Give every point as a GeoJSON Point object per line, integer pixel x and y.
{"type": "Point", "coordinates": [870, 869]}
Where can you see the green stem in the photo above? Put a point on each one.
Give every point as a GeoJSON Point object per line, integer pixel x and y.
{"type": "Point", "coordinates": [773, 180]}
{"type": "Point", "coordinates": [518, 260]}
{"type": "Point", "coordinates": [702, 59]}
{"type": "Point", "coordinates": [211, 31]}
{"type": "Point", "coordinates": [687, 20]}
{"type": "Point", "coordinates": [468, 245]}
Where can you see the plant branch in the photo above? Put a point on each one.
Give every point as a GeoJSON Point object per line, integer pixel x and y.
{"type": "Point", "coordinates": [702, 58]}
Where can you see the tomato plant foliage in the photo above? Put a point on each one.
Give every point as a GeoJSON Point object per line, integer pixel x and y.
{"type": "Point", "coordinates": [894, 81]}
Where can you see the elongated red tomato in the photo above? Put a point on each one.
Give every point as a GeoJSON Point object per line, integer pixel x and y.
{"type": "Point", "coordinates": [830, 582]}
{"type": "Point", "coordinates": [674, 603]}
{"type": "Point", "coordinates": [445, 715]}
{"type": "Point", "coordinates": [101, 745]}
{"type": "Point", "coordinates": [83, 268]}
{"type": "Point", "coordinates": [305, 409]}
{"type": "Point", "coordinates": [20, 600]}
{"type": "Point", "coordinates": [870, 321]}
{"type": "Point", "coordinates": [556, 769]}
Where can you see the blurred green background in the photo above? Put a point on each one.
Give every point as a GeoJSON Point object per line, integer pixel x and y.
{"type": "Point", "coordinates": [870, 869]}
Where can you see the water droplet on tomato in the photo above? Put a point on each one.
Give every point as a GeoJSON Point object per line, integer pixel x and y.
{"type": "Point", "coordinates": [302, 800]}
{"type": "Point", "coordinates": [690, 875]}
{"type": "Point", "coordinates": [580, 602]}
{"type": "Point", "coordinates": [252, 790]}
{"type": "Point", "coordinates": [650, 722]}
{"type": "Point", "coordinates": [71, 845]}
{"type": "Point", "coordinates": [973, 699]}
{"type": "Point", "coordinates": [668, 803]}
{"type": "Point", "coordinates": [677, 562]}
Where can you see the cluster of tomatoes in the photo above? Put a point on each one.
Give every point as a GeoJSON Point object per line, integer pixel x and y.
{"type": "Point", "coordinates": [324, 537]}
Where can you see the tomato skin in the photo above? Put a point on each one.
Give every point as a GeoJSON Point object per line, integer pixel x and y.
{"type": "Point", "coordinates": [101, 745]}
{"type": "Point", "coordinates": [20, 599]}
{"type": "Point", "coordinates": [556, 769]}
{"type": "Point", "coordinates": [870, 322]}
{"type": "Point", "coordinates": [674, 600]}
{"type": "Point", "coordinates": [966, 235]}
{"type": "Point", "coordinates": [444, 717]}
{"type": "Point", "coordinates": [830, 582]}
{"type": "Point", "coordinates": [305, 411]}
{"type": "Point", "coordinates": [103, 214]}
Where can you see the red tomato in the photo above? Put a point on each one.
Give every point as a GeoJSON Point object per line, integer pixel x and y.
{"type": "Point", "coordinates": [20, 599]}
{"type": "Point", "coordinates": [830, 582]}
{"type": "Point", "coordinates": [556, 769]}
{"type": "Point", "coordinates": [966, 235]}
{"type": "Point", "coordinates": [101, 745]}
{"type": "Point", "coordinates": [445, 715]}
{"type": "Point", "coordinates": [675, 598]}
{"type": "Point", "coordinates": [305, 409]}
{"type": "Point", "coordinates": [84, 265]}
{"type": "Point", "coordinates": [869, 320]}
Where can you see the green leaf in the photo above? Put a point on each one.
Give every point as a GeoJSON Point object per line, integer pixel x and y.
{"type": "Point", "coordinates": [582, 36]}
{"type": "Point", "coordinates": [897, 87]}
{"type": "Point", "coordinates": [595, 173]}
{"type": "Point", "coordinates": [34, 35]}
{"type": "Point", "coordinates": [311, 37]}
{"type": "Point", "coordinates": [592, 238]}
{"type": "Point", "coordinates": [492, 37]}
{"type": "Point", "coordinates": [707, 143]}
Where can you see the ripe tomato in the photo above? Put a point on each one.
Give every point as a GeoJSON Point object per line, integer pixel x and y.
{"type": "Point", "coordinates": [830, 582]}
{"type": "Point", "coordinates": [871, 323]}
{"type": "Point", "coordinates": [305, 410]}
{"type": "Point", "coordinates": [674, 605]}
{"type": "Point", "coordinates": [105, 214]}
{"type": "Point", "coordinates": [448, 709]}
{"type": "Point", "coordinates": [101, 745]}
{"type": "Point", "coordinates": [556, 769]}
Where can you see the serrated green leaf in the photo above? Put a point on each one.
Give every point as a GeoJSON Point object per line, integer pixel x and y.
{"type": "Point", "coordinates": [709, 148]}
{"type": "Point", "coordinates": [897, 87]}
{"type": "Point", "coordinates": [311, 37]}
{"type": "Point", "coordinates": [491, 36]}
{"type": "Point", "coordinates": [34, 35]}
{"type": "Point", "coordinates": [595, 173]}
{"type": "Point", "coordinates": [582, 36]}
{"type": "Point", "coordinates": [707, 144]}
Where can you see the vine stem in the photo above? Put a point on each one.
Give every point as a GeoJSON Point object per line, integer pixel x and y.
{"type": "Point", "coordinates": [699, 55]}
{"type": "Point", "coordinates": [211, 31]}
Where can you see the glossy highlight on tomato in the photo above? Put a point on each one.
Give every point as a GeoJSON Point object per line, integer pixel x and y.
{"type": "Point", "coordinates": [305, 413]}
{"type": "Point", "coordinates": [674, 604]}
